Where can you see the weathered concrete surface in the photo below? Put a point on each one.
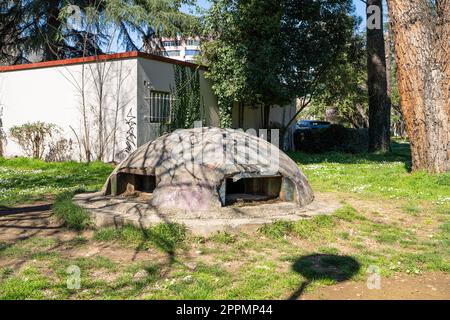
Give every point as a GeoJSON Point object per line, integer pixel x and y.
{"type": "Point", "coordinates": [117, 211]}
{"type": "Point", "coordinates": [191, 165]}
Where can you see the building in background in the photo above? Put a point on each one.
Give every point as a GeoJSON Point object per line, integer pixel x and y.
{"type": "Point", "coordinates": [137, 97]}
{"type": "Point", "coordinates": [184, 49]}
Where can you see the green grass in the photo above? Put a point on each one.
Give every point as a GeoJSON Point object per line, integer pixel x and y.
{"type": "Point", "coordinates": [223, 237]}
{"type": "Point", "coordinates": [30, 285]}
{"type": "Point", "coordinates": [271, 263]}
{"type": "Point", "coordinates": [374, 176]}
{"type": "Point", "coordinates": [164, 236]}
{"type": "Point", "coordinates": [73, 216]}
{"type": "Point", "coordinates": [24, 180]}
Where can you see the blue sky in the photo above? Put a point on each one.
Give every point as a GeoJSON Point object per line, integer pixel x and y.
{"type": "Point", "coordinates": [360, 8]}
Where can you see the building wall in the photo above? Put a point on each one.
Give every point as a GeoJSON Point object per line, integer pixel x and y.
{"type": "Point", "coordinates": [53, 95]}
{"type": "Point", "coordinates": [161, 76]}
{"type": "Point", "coordinates": [184, 49]}
{"type": "Point", "coordinates": [252, 119]}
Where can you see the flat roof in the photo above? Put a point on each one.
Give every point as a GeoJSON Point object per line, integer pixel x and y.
{"type": "Point", "coordinates": [99, 58]}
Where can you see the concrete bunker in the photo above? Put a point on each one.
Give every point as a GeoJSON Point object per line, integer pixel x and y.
{"type": "Point", "coordinates": [209, 177]}
{"type": "Point", "coordinates": [209, 168]}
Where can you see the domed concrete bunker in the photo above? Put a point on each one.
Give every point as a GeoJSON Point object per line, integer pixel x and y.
{"type": "Point", "coordinates": [207, 178]}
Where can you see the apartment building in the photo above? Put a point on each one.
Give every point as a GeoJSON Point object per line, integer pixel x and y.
{"type": "Point", "coordinates": [183, 49]}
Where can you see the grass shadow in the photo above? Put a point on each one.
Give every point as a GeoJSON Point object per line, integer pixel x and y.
{"type": "Point", "coordinates": [323, 267]}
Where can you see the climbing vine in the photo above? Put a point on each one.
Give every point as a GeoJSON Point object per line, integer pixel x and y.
{"type": "Point", "coordinates": [186, 105]}
{"type": "Point", "coordinates": [225, 109]}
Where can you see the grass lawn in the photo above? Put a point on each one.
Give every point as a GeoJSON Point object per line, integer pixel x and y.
{"type": "Point", "coordinates": [392, 220]}
{"type": "Point", "coordinates": [24, 180]}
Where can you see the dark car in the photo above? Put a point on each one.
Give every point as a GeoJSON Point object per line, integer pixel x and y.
{"type": "Point", "coordinates": [312, 124]}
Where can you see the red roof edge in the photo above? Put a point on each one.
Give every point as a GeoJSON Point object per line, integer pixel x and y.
{"type": "Point", "coordinates": [99, 58]}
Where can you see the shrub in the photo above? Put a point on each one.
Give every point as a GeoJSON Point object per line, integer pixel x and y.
{"type": "Point", "coordinates": [73, 216]}
{"type": "Point", "coordinates": [32, 137]}
{"type": "Point", "coordinates": [60, 150]}
{"type": "Point", "coordinates": [335, 138]}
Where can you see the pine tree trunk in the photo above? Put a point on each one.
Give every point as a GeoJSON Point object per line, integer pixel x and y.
{"type": "Point", "coordinates": [379, 103]}
{"type": "Point", "coordinates": [422, 51]}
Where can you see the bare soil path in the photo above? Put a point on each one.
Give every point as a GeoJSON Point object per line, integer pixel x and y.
{"type": "Point", "coordinates": [428, 286]}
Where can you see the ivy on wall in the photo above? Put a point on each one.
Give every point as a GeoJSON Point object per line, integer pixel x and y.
{"type": "Point", "coordinates": [225, 109]}
{"type": "Point", "coordinates": [186, 105]}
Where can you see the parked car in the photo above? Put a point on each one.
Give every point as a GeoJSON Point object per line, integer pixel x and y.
{"type": "Point", "coordinates": [312, 125]}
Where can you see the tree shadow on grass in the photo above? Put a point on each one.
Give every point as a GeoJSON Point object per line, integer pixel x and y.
{"type": "Point", "coordinates": [323, 267]}
{"type": "Point", "coordinates": [400, 153]}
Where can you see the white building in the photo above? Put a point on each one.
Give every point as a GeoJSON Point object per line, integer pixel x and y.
{"type": "Point", "coordinates": [131, 92]}
{"type": "Point", "coordinates": [184, 49]}
{"type": "Point", "coordinates": [113, 102]}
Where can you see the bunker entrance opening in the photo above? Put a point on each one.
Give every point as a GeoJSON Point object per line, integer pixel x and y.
{"type": "Point", "coordinates": [252, 189]}
{"type": "Point", "coordinates": [130, 182]}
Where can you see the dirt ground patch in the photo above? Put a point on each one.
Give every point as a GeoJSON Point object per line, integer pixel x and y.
{"type": "Point", "coordinates": [428, 286]}
{"type": "Point", "coordinates": [36, 221]}
{"type": "Point", "coordinates": [31, 220]}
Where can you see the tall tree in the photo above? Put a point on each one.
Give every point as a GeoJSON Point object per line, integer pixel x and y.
{"type": "Point", "coordinates": [422, 50]}
{"type": "Point", "coordinates": [379, 102]}
{"type": "Point", "coordinates": [245, 53]}
{"type": "Point", "coordinates": [38, 28]}
{"type": "Point", "coordinates": [345, 87]}
{"type": "Point", "coordinates": [261, 58]}
{"type": "Point", "coordinates": [315, 35]}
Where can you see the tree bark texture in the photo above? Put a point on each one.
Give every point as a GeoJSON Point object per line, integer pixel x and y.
{"type": "Point", "coordinates": [421, 33]}
{"type": "Point", "coordinates": [379, 102]}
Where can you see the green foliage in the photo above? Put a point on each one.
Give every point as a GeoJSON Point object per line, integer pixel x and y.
{"type": "Point", "coordinates": [32, 137]}
{"type": "Point", "coordinates": [186, 108]}
{"type": "Point", "coordinates": [344, 88]}
{"type": "Point", "coordinates": [73, 216]}
{"type": "Point", "coordinates": [316, 228]}
{"type": "Point", "coordinates": [265, 59]}
{"type": "Point", "coordinates": [244, 52]}
{"type": "Point", "coordinates": [334, 138]}
{"type": "Point", "coordinates": [45, 26]}
{"type": "Point", "coordinates": [30, 285]}
{"type": "Point", "coordinates": [314, 35]}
